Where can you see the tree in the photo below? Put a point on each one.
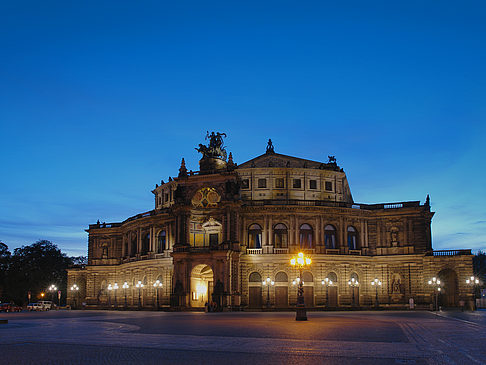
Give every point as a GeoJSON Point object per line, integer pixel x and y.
{"type": "Point", "coordinates": [4, 262]}
{"type": "Point", "coordinates": [79, 260]}
{"type": "Point", "coordinates": [479, 266]}
{"type": "Point", "coordinates": [34, 268]}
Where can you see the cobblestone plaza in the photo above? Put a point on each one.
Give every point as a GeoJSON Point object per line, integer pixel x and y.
{"type": "Point", "coordinates": [109, 337]}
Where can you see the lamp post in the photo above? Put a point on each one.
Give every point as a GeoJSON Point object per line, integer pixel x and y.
{"type": "Point", "coordinates": [300, 261]}
{"type": "Point", "coordinates": [327, 283]}
{"type": "Point", "coordinates": [139, 285]}
{"type": "Point", "coordinates": [110, 288]}
{"type": "Point", "coordinates": [435, 284]}
{"type": "Point", "coordinates": [75, 289]}
{"type": "Point", "coordinates": [268, 282]}
{"type": "Point", "coordinates": [115, 288]}
{"type": "Point", "coordinates": [52, 288]}
{"type": "Point", "coordinates": [474, 282]}
{"type": "Point", "coordinates": [353, 283]}
{"type": "Point", "coordinates": [157, 285]}
{"type": "Point", "coordinates": [376, 283]}
{"type": "Point", "coordinates": [125, 286]}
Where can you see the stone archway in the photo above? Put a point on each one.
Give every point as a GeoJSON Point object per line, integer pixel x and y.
{"type": "Point", "coordinates": [449, 293]}
{"type": "Point", "coordinates": [201, 285]}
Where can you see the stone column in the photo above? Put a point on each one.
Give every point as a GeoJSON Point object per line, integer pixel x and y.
{"type": "Point", "coordinates": [270, 231]}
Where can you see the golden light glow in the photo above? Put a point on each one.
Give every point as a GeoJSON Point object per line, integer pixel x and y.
{"type": "Point", "coordinates": [300, 260]}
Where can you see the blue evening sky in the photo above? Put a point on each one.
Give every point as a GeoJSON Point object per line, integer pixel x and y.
{"type": "Point", "coordinates": [100, 100]}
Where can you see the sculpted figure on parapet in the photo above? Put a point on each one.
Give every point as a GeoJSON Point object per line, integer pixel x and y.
{"type": "Point", "coordinates": [215, 149]}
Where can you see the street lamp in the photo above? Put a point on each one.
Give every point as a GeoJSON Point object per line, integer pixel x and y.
{"type": "Point", "coordinates": [435, 283]}
{"type": "Point", "coordinates": [52, 288]}
{"type": "Point", "coordinates": [327, 283]}
{"type": "Point", "coordinates": [376, 283]}
{"type": "Point", "coordinates": [300, 261]}
{"type": "Point", "coordinates": [139, 285]}
{"type": "Point", "coordinates": [115, 288]}
{"type": "Point", "coordinates": [125, 287]}
{"type": "Point", "coordinates": [157, 286]}
{"type": "Point", "coordinates": [353, 283]}
{"type": "Point", "coordinates": [110, 288]}
{"type": "Point", "coordinates": [474, 282]}
{"type": "Point", "coordinates": [75, 288]}
{"type": "Point", "coordinates": [268, 282]}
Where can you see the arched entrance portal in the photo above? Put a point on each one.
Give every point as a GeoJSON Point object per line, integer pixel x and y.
{"type": "Point", "coordinates": [201, 285]}
{"type": "Point", "coordinates": [448, 296]}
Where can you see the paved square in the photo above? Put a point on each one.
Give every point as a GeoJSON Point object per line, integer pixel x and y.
{"type": "Point", "coordinates": [107, 337]}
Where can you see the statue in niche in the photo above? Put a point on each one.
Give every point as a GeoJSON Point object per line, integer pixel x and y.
{"type": "Point", "coordinates": [396, 284]}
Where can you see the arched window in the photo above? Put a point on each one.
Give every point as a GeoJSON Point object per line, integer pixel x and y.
{"type": "Point", "coordinates": [332, 277]}
{"type": "Point", "coordinates": [255, 236]}
{"type": "Point", "coordinates": [330, 236]}
{"type": "Point", "coordinates": [306, 239]}
{"type": "Point", "coordinates": [133, 250]}
{"type": "Point", "coordinates": [352, 238]}
{"type": "Point", "coordinates": [161, 242]}
{"type": "Point", "coordinates": [280, 236]}
{"type": "Point", "coordinates": [145, 243]}
{"type": "Point", "coordinates": [255, 277]}
{"type": "Point", "coordinates": [281, 277]}
{"type": "Point", "coordinates": [355, 277]}
{"type": "Point", "coordinates": [307, 277]}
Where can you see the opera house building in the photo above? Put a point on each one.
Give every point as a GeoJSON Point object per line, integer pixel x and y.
{"type": "Point", "coordinates": [224, 236]}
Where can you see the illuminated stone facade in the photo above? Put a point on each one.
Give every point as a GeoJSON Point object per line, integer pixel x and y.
{"type": "Point", "coordinates": [216, 234]}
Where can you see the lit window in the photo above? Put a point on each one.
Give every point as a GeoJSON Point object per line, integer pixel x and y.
{"type": "Point", "coordinates": [352, 238]}
{"type": "Point", "coordinates": [306, 239]}
{"type": "Point", "coordinates": [255, 236]}
{"type": "Point", "coordinates": [330, 236]}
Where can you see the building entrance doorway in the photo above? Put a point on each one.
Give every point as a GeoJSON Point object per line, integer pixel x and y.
{"type": "Point", "coordinates": [448, 296]}
{"type": "Point", "coordinates": [201, 285]}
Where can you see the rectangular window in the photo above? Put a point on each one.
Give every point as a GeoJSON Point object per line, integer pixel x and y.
{"type": "Point", "coordinates": [166, 197]}
{"type": "Point", "coordinates": [279, 183]}
{"type": "Point", "coordinates": [213, 239]}
{"type": "Point", "coordinates": [297, 183]}
{"type": "Point", "coordinates": [312, 184]}
{"type": "Point", "coordinates": [245, 184]}
{"type": "Point", "coordinates": [328, 185]}
{"type": "Point", "coordinates": [262, 183]}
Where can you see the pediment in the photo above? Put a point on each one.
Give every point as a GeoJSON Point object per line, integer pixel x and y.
{"type": "Point", "coordinates": [279, 160]}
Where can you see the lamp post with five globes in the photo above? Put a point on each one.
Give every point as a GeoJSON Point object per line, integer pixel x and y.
{"type": "Point", "coordinates": [436, 286]}
{"type": "Point", "coordinates": [268, 282]}
{"type": "Point", "coordinates": [474, 282]}
{"type": "Point", "coordinates": [376, 283]}
{"type": "Point", "coordinates": [125, 286]}
{"type": "Point", "coordinates": [300, 261]}
{"type": "Point", "coordinates": [327, 283]}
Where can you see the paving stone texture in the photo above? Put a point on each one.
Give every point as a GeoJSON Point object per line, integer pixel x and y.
{"type": "Point", "coordinates": [108, 337]}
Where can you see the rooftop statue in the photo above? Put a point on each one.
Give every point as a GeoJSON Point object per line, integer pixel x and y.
{"type": "Point", "coordinates": [270, 147]}
{"type": "Point", "coordinates": [215, 149]}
